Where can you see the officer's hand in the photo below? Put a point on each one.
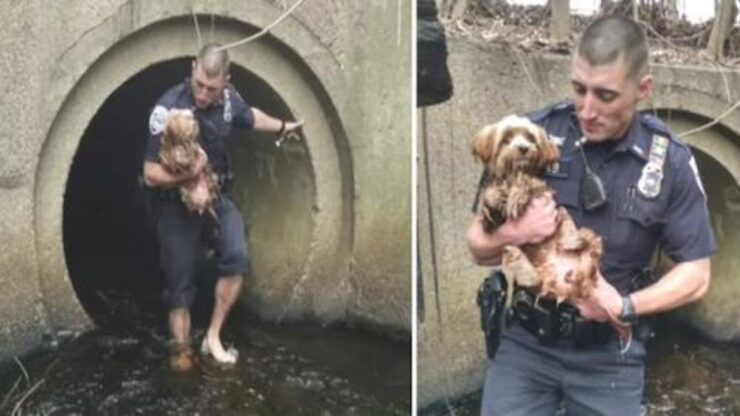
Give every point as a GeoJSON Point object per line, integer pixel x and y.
{"type": "Point", "coordinates": [293, 125]}
{"type": "Point", "coordinates": [604, 304]}
{"type": "Point", "coordinates": [538, 222]}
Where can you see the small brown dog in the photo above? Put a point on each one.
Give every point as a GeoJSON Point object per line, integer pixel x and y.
{"type": "Point", "coordinates": [515, 151]}
{"type": "Point", "coordinates": [179, 153]}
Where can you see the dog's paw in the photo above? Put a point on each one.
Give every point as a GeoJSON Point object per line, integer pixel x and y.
{"type": "Point", "coordinates": [517, 267]}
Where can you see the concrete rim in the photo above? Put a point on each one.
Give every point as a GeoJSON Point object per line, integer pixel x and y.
{"type": "Point", "coordinates": [723, 149]}
{"type": "Point", "coordinates": [86, 86]}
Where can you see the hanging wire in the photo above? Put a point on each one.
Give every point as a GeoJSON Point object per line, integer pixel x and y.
{"type": "Point", "coordinates": [263, 31]}
{"type": "Point", "coordinates": [197, 30]}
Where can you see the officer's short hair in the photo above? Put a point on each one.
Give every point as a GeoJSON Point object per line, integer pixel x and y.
{"type": "Point", "coordinates": [213, 61]}
{"type": "Point", "coordinates": [609, 37]}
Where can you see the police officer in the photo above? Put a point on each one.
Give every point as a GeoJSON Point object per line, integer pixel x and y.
{"type": "Point", "coordinates": [217, 107]}
{"type": "Point", "coordinates": [623, 175]}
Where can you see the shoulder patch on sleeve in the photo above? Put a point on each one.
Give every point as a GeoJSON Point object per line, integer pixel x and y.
{"type": "Point", "coordinates": [157, 120]}
{"type": "Point", "coordinates": [695, 169]}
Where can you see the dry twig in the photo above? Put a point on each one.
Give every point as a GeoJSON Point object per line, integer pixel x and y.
{"type": "Point", "coordinates": [26, 395]}
{"type": "Point", "coordinates": [10, 393]}
{"type": "Point", "coordinates": [23, 369]}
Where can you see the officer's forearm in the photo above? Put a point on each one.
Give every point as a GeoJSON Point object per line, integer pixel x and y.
{"type": "Point", "coordinates": [486, 248]}
{"type": "Point", "coordinates": [685, 283]}
{"type": "Point", "coordinates": [264, 122]}
{"type": "Point", "coordinates": [156, 176]}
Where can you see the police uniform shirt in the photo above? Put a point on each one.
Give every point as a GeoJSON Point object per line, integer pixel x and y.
{"type": "Point", "coordinates": [214, 122]}
{"type": "Point", "coordinates": [630, 224]}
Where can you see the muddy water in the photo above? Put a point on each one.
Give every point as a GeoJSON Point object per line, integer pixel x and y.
{"type": "Point", "coordinates": [686, 374]}
{"type": "Point", "coordinates": [285, 369]}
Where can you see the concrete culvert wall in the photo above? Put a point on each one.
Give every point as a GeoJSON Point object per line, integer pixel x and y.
{"type": "Point", "coordinates": [109, 236]}
{"type": "Point", "coordinates": [72, 217]}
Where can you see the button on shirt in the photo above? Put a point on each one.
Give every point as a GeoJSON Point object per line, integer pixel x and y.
{"type": "Point", "coordinates": [630, 224]}
{"type": "Point", "coordinates": [214, 122]}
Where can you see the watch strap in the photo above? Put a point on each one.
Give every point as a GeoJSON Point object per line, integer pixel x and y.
{"type": "Point", "coordinates": [628, 314]}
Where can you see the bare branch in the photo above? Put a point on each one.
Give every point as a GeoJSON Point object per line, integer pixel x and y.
{"type": "Point", "coordinates": [723, 21]}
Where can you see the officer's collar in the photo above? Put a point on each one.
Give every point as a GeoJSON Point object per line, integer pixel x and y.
{"type": "Point", "coordinates": [632, 142]}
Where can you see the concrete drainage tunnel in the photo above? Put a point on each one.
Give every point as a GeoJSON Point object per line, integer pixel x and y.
{"type": "Point", "coordinates": [96, 251]}
{"type": "Point", "coordinates": [111, 252]}
{"type": "Point", "coordinates": [109, 234]}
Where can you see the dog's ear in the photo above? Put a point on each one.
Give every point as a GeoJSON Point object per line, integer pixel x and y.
{"type": "Point", "coordinates": [549, 151]}
{"type": "Point", "coordinates": [592, 244]}
{"type": "Point", "coordinates": [170, 129]}
{"type": "Point", "coordinates": [181, 126]}
{"type": "Point", "coordinates": [485, 145]}
{"type": "Point", "coordinates": [173, 126]}
{"type": "Point", "coordinates": [596, 247]}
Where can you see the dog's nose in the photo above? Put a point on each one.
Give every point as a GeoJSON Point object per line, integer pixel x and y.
{"type": "Point", "coordinates": [522, 149]}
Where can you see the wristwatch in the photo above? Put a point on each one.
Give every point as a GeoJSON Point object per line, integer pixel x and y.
{"type": "Point", "coordinates": [627, 315]}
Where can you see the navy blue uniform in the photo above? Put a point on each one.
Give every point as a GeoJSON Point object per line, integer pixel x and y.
{"type": "Point", "coordinates": [527, 378]}
{"type": "Point", "coordinates": [181, 231]}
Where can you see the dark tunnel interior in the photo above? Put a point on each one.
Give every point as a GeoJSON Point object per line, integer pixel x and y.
{"type": "Point", "coordinates": [109, 230]}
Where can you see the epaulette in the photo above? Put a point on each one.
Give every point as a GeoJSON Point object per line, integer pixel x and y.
{"type": "Point", "coordinates": [656, 126]}
{"type": "Point", "coordinates": [539, 115]}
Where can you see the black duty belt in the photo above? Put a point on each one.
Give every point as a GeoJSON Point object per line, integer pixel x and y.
{"type": "Point", "coordinates": [550, 322]}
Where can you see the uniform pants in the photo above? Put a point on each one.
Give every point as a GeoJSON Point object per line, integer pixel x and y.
{"type": "Point", "coordinates": [529, 379]}
{"type": "Point", "coordinates": [180, 235]}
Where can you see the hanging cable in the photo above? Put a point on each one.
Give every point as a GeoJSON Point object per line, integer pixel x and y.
{"type": "Point", "coordinates": [197, 30]}
{"type": "Point", "coordinates": [263, 31]}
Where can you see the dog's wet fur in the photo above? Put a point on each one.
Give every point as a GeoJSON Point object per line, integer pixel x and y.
{"type": "Point", "coordinates": [179, 153]}
{"type": "Point", "coordinates": [515, 152]}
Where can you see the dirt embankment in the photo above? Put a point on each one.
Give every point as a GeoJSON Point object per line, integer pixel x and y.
{"type": "Point", "coordinates": [673, 40]}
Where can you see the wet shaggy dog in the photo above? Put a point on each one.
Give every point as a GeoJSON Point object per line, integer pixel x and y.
{"type": "Point", "coordinates": [515, 152]}
{"type": "Point", "coordinates": [179, 153]}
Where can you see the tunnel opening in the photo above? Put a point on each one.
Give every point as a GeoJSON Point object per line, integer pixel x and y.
{"type": "Point", "coordinates": [724, 214]}
{"type": "Point", "coordinates": [715, 150]}
{"type": "Point", "coordinates": [109, 234]}
{"type": "Point", "coordinates": [719, 183]}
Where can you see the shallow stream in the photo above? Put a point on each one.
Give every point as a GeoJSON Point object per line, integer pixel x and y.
{"type": "Point", "coordinates": [686, 374]}
{"type": "Point", "coordinates": [287, 369]}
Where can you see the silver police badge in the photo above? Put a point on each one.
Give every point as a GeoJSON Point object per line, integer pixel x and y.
{"type": "Point", "coordinates": [650, 180]}
{"type": "Point", "coordinates": [652, 174]}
